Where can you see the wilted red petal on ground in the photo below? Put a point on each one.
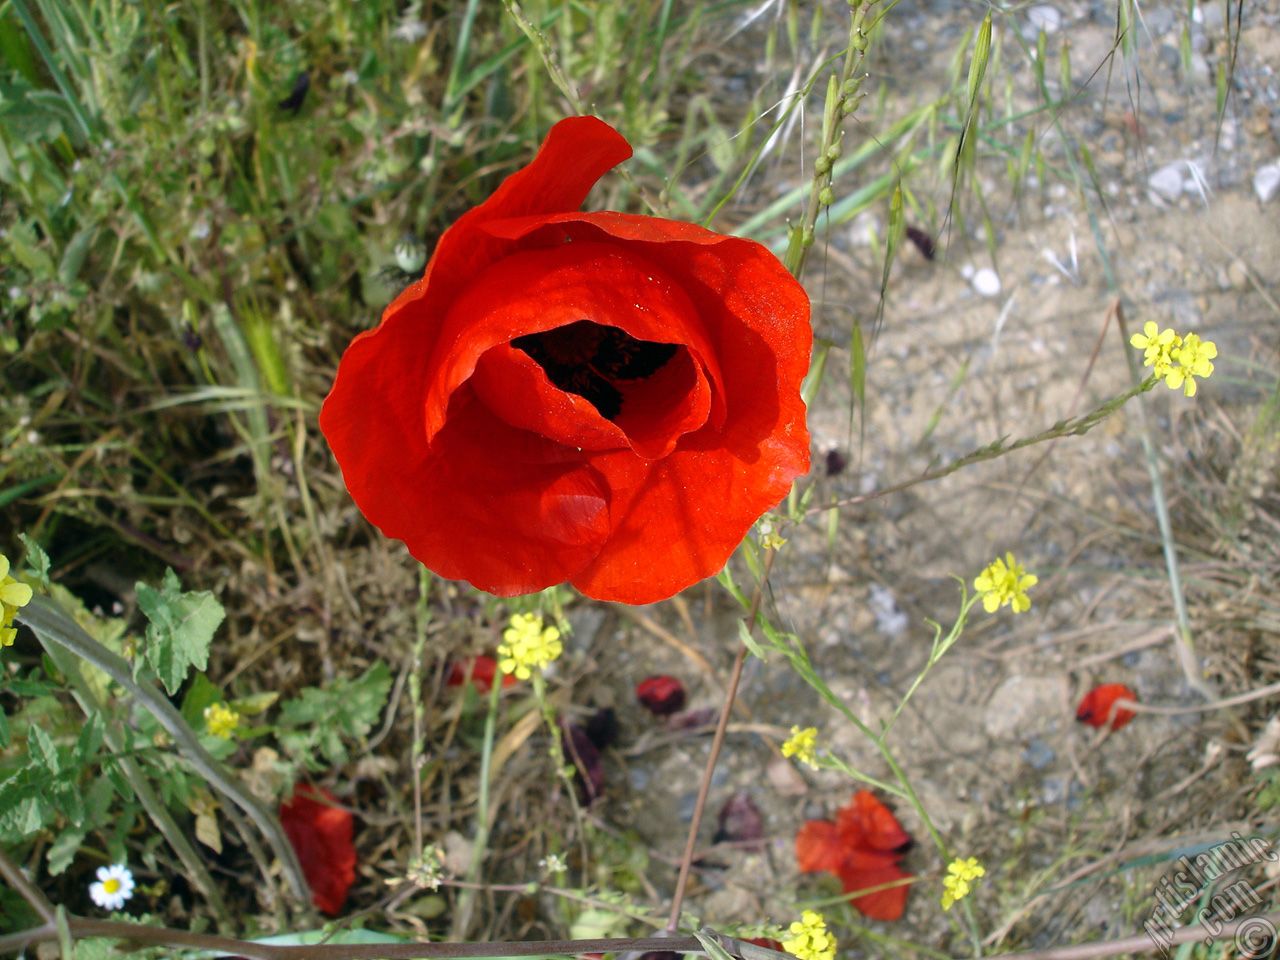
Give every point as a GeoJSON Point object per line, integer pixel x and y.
{"type": "Point", "coordinates": [740, 822]}
{"type": "Point", "coordinates": [884, 904]}
{"type": "Point", "coordinates": [662, 696]}
{"type": "Point", "coordinates": [862, 848]}
{"type": "Point", "coordinates": [818, 847]}
{"type": "Point", "coordinates": [1095, 708]}
{"type": "Point", "coordinates": [582, 753]}
{"type": "Point", "coordinates": [866, 822]}
{"type": "Point", "coordinates": [483, 669]}
{"type": "Point", "coordinates": [320, 834]}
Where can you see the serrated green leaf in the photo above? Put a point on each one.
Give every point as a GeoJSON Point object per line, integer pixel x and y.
{"type": "Point", "coordinates": [89, 741]}
{"type": "Point", "coordinates": [41, 751]}
{"type": "Point", "coordinates": [64, 849]}
{"type": "Point", "coordinates": [181, 628]}
{"type": "Point", "coordinates": [36, 560]}
{"type": "Point", "coordinates": [321, 716]}
{"type": "Point", "coordinates": [4, 731]}
{"type": "Point", "coordinates": [23, 807]}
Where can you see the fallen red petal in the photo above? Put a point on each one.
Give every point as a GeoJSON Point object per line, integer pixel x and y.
{"type": "Point", "coordinates": [661, 696]}
{"type": "Point", "coordinates": [483, 669]}
{"type": "Point", "coordinates": [321, 835]}
{"type": "Point", "coordinates": [866, 822]}
{"type": "Point", "coordinates": [862, 848]}
{"type": "Point", "coordinates": [883, 904]}
{"type": "Point", "coordinates": [1096, 707]}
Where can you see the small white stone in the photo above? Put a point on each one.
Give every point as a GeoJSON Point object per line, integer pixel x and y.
{"type": "Point", "coordinates": [1267, 181]}
{"type": "Point", "coordinates": [1044, 17]}
{"type": "Point", "coordinates": [987, 282]}
{"type": "Point", "coordinates": [1167, 181]}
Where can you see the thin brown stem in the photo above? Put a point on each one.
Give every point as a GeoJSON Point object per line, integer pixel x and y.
{"type": "Point", "coordinates": [14, 876]}
{"type": "Point", "coordinates": [717, 742]}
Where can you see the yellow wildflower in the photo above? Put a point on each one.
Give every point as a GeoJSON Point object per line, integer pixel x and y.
{"type": "Point", "coordinates": [1002, 583]}
{"type": "Point", "coordinates": [1193, 357]}
{"type": "Point", "coordinates": [1158, 346]}
{"type": "Point", "coordinates": [956, 883]}
{"type": "Point", "coordinates": [221, 720]}
{"type": "Point", "coordinates": [526, 643]}
{"type": "Point", "coordinates": [809, 938]}
{"type": "Point", "coordinates": [803, 745]}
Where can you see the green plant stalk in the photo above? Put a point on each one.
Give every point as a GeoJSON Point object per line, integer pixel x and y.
{"type": "Point", "coordinates": [466, 902]}
{"type": "Point", "coordinates": [1184, 642]}
{"type": "Point", "coordinates": [843, 97]}
{"type": "Point", "coordinates": [49, 621]}
{"type": "Point", "coordinates": [422, 618]}
{"type": "Point", "coordinates": [69, 666]}
{"type": "Point", "coordinates": [1063, 428]}
{"type": "Point", "coordinates": [799, 659]}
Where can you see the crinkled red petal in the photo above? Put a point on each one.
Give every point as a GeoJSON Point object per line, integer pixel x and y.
{"type": "Point", "coordinates": [818, 847]}
{"type": "Point", "coordinates": [321, 835]}
{"type": "Point", "coordinates": [539, 290]}
{"type": "Point", "coordinates": [884, 904]}
{"type": "Point", "coordinates": [866, 822]}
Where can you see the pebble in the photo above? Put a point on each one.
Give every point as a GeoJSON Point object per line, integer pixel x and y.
{"type": "Point", "coordinates": [986, 281]}
{"type": "Point", "coordinates": [1267, 181]}
{"type": "Point", "coordinates": [1044, 17]}
{"type": "Point", "coordinates": [1167, 181]}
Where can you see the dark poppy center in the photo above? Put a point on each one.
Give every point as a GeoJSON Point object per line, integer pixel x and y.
{"type": "Point", "coordinates": [591, 361]}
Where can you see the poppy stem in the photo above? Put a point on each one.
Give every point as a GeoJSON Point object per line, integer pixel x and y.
{"type": "Point", "coordinates": [717, 742]}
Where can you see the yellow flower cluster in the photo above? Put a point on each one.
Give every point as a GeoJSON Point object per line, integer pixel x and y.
{"type": "Point", "coordinates": [1176, 360]}
{"type": "Point", "coordinates": [1002, 583]}
{"type": "Point", "coordinates": [526, 644]}
{"type": "Point", "coordinates": [12, 596]}
{"type": "Point", "coordinates": [957, 882]}
{"type": "Point", "coordinates": [221, 720]}
{"type": "Point", "coordinates": [803, 745]}
{"type": "Point", "coordinates": [809, 938]}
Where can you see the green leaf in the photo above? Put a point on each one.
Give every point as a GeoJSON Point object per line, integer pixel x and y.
{"type": "Point", "coordinates": [181, 628]}
{"type": "Point", "coordinates": [73, 256]}
{"type": "Point", "coordinates": [200, 694]}
{"type": "Point", "coordinates": [36, 560]}
{"type": "Point", "coordinates": [89, 742]}
{"type": "Point", "coordinates": [43, 754]}
{"type": "Point", "coordinates": [23, 807]}
{"type": "Point", "coordinates": [64, 849]}
{"type": "Point", "coordinates": [320, 716]}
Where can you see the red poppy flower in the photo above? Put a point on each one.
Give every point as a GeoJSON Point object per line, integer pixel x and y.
{"type": "Point", "coordinates": [1095, 708]}
{"type": "Point", "coordinates": [320, 833]}
{"type": "Point", "coordinates": [483, 669]}
{"type": "Point", "coordinates": [661, 696]}
{"type": "Point", "coordinates": [604, 398]}
{"type": "Point", "coordinates": [862, 848]}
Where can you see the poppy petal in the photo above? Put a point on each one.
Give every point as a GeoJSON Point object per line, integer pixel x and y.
{"type": "Point", "coordinates": [513, 512]}
{"type": "Point", "coordinates": [818, 847]}
{"type": "Point", "coordinates": [661, 696]}
{"type": "Point", "coordinates": [321, 835]}
{"type": "Point", "coordinates": [883, 904]}
{"type": "Point", "coordinates": [537, 291]}
{"type": "Point", "coordinates": [866, 822]}
{"type": "Point", "coordinates": [1096, 707]}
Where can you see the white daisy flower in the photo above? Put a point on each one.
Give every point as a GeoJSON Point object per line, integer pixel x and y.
{"type": "Point", "coordinates": [113, 887]}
